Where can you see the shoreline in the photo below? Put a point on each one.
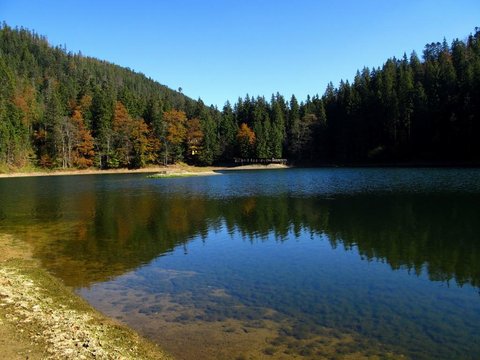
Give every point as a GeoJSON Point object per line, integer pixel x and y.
{"type": "Point", "coordinates": [41, 318]}
{"type": "Point", "coordinates": [171, 170]}
{"type": "Point", "coordinates": [184, 170]}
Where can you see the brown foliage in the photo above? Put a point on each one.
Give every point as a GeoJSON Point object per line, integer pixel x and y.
{"type": "Point", "coordinates": [83, 151]}
{"type": "Point", "coordinates": [246, 140]}
{"type": "Point", "coordinates": [176, 130]}
{"type": "Point", "coordinates": [85, 103]}
{"type": "Point", "coordinates": [247, 134]}
{"type": "Point", "coordinates": [26, 102]}
{"type": "Point", "coordinates": [176, 133]}
{"type": "Point", "coordinates": [132, 137]}
{"type": "Point", "coordinates": [194, 136]}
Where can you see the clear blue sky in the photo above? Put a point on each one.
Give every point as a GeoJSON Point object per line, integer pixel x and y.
{"type": "Point", "coordinates": [219, 50]}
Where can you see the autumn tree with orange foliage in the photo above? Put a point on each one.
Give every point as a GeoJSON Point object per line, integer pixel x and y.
{"type": "Point", "coordinates": [73, 141]}
{"type": "Point", "coordinates": [194, 139]}
{"type": "Point", "coordinates": [246, 141]}
{"type": "Point", "coordinates": [25, 100]}
{"type": "Point", "coordinates": [131, 138]}
{"type": "Point", "coordinates": [83, 150]}
{"type": "Point", "coordinates": [175, 135]}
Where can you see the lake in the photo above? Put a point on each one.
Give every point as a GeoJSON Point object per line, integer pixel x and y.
{"type": "Point", "coordinates": [277, 264]}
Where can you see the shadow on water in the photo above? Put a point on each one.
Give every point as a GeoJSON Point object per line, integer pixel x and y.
{"type": "Point", "coordinates": [308, 266]}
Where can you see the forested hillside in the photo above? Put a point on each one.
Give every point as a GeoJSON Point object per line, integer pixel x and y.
{"type": "Point", "coordinates": [59, 109]}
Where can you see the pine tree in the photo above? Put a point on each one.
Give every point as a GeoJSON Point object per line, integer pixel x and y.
{"type": "Point", "coordinates": [278, 127]}
{"type": "Point", "coordinates": [227, 130]}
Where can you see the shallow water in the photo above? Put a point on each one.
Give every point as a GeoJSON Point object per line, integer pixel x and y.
{"type": "Point", "coordinates": [298, 263]}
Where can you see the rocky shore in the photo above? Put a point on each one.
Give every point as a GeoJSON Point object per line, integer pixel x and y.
{"type": "Point", "coordinates": [40, 318]}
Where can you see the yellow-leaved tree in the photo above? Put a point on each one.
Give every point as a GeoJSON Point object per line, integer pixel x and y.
{"type": "Point", "coordinates": [194, 139]}
{"type": "Point", "coordinates": [131, 138]}
{"type": "Point", "coordinates": [246, 141]}
{"type": "Point", "coordinates": [176, 132]}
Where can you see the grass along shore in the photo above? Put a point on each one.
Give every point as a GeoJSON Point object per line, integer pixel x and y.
{"type": "Point", "coordinates": [163, 171]}
{"type": "Point", "coordinates": [40, 318]}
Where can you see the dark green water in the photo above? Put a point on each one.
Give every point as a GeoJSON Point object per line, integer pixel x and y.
{"type": "Point", "coordinates": [388, 258]}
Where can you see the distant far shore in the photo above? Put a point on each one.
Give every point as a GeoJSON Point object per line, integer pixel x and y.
{"type": "Point", "coordinates": [182, 169]}
{"type": "Point", "coordinates": [170, 170]}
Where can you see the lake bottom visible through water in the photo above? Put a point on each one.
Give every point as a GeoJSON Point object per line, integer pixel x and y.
{"type": "Point", "coordinates": [286, 264]}
{"type": "Point", "coordinates": [199, 315]}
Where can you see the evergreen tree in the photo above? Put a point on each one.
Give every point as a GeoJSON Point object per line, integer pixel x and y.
{"type": "Point", "coordinates": [227, 130]}
{"type": "Point", "coordinates": [210, 141]}
{"type": "Point", "coordinates": [293, 126]}
{"type": "Point", "coordinates": [262, 128]}
{"type": "Point", "coordinates": [278, 126]}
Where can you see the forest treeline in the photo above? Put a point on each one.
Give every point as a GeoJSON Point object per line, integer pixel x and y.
{"type": "Point", "coordinates": [59, 109]}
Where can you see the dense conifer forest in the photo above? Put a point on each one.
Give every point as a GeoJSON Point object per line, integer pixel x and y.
{"type": "Point", "coordinates": [63, 110]}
